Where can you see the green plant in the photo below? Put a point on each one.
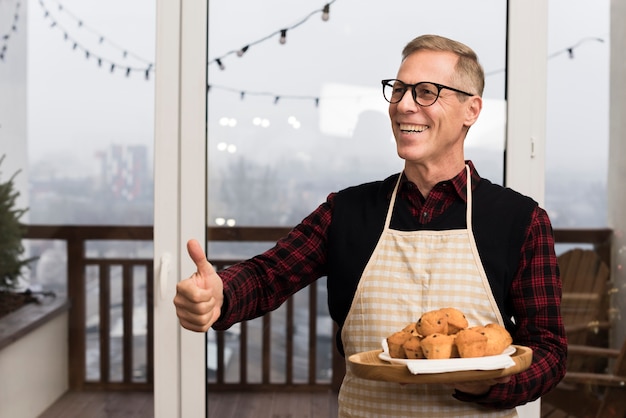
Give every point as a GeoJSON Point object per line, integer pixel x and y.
{"type": "Point", "coordinates": [11, 232]}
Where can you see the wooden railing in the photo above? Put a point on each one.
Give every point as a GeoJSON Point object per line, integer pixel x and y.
{"type": "Point", "coordinates": [84, 265]}
{"type": "Point", "coordinates": [80, 266]}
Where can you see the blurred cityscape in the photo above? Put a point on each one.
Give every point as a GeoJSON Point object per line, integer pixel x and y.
{"type": "Point", "coordinates": [279, 193]}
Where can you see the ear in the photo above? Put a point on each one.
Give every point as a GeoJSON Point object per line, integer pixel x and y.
{"type": "Point", "coordinates": [473, 107]}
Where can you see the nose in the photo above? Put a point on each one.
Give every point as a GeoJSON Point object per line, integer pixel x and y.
{"type": "Point", "coordinates": [407, 104]}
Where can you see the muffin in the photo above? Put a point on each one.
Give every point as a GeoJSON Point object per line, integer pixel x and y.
{"type": "Point", "coordinates": [411, 328]}
{"type": "Point", "coordinates": [498, 338]}
{"type": "Point", "coordinates": [438, 346]}
{"type": "Point", "coordinates": [471, 343]}
{"type": "Point", "coordinates": [432, 322]}
{"type": "Point", "coordinates": [456, 320]}
{"type": "Point", "coordinates": [413, 348]}
{"type": "Point", "coordinates": [395, 343]}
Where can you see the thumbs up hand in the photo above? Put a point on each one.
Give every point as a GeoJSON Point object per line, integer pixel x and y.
{"type": "Point", "coordinates": [199, 298]}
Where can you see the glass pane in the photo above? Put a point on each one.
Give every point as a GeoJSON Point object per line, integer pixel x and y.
{"type": "Point", "coordinates": [90, 112]}
{"type": "Point", "coordinates": [77, 118]}
{"type": "Point", "coordinates": [290, 122]}
{"type": "Point", "coordinates": [577, 137]}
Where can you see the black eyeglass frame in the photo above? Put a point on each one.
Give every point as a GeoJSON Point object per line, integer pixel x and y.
{"type": "Point", "coordinates": [440, 87]}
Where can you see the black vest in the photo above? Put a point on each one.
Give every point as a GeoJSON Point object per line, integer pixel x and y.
{"type": "Point", "coordinates": [500, 219]}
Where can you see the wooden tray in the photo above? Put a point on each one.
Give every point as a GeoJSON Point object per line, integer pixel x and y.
{"type": "Point", "coordinates": [367, 365]}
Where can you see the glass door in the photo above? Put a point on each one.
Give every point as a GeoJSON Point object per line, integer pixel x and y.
{"type": "Point", "coordinates": [270, 115]}
{"type": "Point", "coordinates": [295, 112]}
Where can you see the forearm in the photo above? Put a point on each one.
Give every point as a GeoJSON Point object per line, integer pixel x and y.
{"type": "Point", "coordinates": [536, 297]}
{"type": "Point", "coordinates": [546, 370]}
{"type": "Point", "coordinates": [262, 283]}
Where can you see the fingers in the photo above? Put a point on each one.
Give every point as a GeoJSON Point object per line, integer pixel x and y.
{"type": "Point", "coordinates": [204, 268]}
{"type": "Point", "coordinates": [479, 387]}
{"type": "Point", "coordinates": [194, 322]}
{"type": "Point", "coordinates": [197, 308]}
{"type": "Point", "coordinates": [199, 298]}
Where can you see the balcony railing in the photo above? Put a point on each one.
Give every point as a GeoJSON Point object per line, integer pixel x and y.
{"type": "Point", "coordinates": [111, 318]}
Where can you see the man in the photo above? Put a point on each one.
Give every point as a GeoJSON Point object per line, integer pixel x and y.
{"type": "Point", "coordinates": [436, 235]}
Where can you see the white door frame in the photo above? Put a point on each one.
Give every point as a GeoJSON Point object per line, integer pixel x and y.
{"type": "Point", "coordinates": [179, 200]}
{"type": "Point", "coordinates": [527, 59]}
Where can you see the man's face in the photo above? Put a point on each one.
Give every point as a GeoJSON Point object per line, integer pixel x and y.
{"type": "Point", "coordinates": [433, 134]}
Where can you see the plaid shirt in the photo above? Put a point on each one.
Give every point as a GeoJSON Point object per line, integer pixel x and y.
{"type": "Point", "coordinates": [264, 282]}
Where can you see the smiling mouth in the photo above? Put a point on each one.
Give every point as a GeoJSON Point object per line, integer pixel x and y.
{"type": "Point", "coordinates": [413, 128]}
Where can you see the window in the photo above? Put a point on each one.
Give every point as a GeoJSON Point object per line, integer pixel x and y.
{"type": "Point", "coordinates": [577, 137]}
{"type": "Point", "coordinates": [291, 122]}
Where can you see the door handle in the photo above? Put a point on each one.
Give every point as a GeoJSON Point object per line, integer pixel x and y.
{"type": "Point", "coordinates": [164, 272]}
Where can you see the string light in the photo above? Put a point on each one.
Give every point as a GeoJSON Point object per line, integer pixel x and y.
{"type": "Point", "coordinates": [76, 45]}
{"type": "Point", "coordinates": [569, 50]}
{"type": "Point", "coordinates": [145, 67]}
{"type": "Point", "coordinates": [276, 97]}
{"type": "Point", "coordinates": [325, 14]}
{"type": "Point", "coordinates": [6, 37]}
{"type": "Point", "coordinates": [282, 33]}
{"type": "Point", "coordinates": [316, 100]}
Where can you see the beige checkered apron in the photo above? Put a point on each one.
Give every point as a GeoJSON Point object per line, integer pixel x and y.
{"type": "Point", "coordinates": [408, 274]}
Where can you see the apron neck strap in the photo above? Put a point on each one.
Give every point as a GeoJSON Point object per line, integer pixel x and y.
{"type": "Point", "coordinates": [468, 191]}
{"type": "Point", "coordinates": [468, 212]}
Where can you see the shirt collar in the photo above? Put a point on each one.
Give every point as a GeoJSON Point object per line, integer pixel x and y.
{"type": "Point", "coordinates": [458, 182]}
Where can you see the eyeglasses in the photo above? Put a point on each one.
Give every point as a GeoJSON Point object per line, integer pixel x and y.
{"type": "Point", "coordinates": [424, 93]}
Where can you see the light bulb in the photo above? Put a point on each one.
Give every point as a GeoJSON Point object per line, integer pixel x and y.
{"type": "Point", "coordinates": [283, 37]}
{"type": "Point", "coordinates": [326, 12]}
{"type": "Point", "coordinates": [242, 51]}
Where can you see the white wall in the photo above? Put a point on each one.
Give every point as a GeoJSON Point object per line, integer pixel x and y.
{"type": "Point", "coordinates": [34, 370]}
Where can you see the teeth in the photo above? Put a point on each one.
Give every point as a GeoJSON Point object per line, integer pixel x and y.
{"type": "Point", "coordinates": [413, 128]}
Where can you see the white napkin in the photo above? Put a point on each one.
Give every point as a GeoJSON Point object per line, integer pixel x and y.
{"type": "Point", "coordinates": [501, 361]}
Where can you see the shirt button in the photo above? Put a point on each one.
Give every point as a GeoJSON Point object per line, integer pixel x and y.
{"type": "Point", "coordinates": [425, 215]}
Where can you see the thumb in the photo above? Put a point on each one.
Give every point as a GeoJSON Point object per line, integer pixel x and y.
{"type": "Point", "coordinates": [204, 268]}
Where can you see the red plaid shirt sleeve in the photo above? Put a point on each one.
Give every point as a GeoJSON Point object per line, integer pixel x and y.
{"type": "Point", "coordinates": [536, 296]}
{"type": "Point", "coordinates": [262, 283]}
